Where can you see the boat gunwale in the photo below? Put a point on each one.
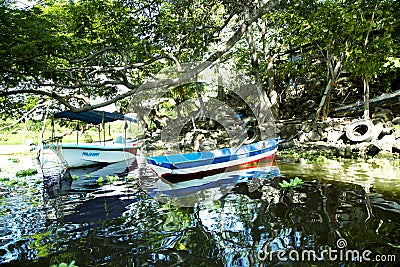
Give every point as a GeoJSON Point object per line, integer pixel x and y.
{"type": "Point", "coordinates": [114, 147]}
{"type": "Point", "coordinates": [153, 161]}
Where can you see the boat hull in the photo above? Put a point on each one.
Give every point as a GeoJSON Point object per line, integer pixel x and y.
{"type": "Point", "coordinates": [79, 155]}
{"type": "Point", "coordinates": [175, 168]}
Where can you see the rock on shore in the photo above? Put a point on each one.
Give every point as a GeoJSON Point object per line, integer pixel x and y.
{"type": "Point", "coordinates": [346, 137]}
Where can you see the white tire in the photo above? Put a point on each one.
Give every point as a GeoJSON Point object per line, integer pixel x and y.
{"type": "Point", "coordinates": [353, 131]}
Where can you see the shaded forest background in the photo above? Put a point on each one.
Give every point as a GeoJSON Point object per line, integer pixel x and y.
{"type": "Point", "coordinates": [308, 56]}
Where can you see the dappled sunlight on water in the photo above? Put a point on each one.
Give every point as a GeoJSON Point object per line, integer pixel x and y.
{"type": "Point", "coordinates": [133, 220]}
{"type": "Point", "coordinates": [378, 175]}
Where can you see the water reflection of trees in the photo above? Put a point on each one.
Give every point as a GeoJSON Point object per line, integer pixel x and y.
{"type": "Point", "coordinates": [313, 217]}
{"type": "Point", "coordinates": [230, 231]}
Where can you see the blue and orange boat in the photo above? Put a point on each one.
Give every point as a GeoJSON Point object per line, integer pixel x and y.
{"type": "Point", "coordinates": [178, 167]}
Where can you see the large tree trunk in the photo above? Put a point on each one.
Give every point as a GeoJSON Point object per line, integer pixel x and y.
{"type": "Point", "coordinates": [255, 67]}
{"type": "Point", "coordinates": [272, 93]}
{"type": "Point", "coordinates": [323, 108]}
{"type": "Point", "coordinates": [264, 100]}
{"type": "Point", "coordinates": [333, 72]}
{"type": "Point", "coordinates": [200, 97]}
{"type": "Point", "coordinates": [264, 115]}
{"type": "Point", "coordinates": [269, 60]}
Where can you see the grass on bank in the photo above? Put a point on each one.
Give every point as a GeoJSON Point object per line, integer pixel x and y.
{"type": "Point", "coordinates": [314, 156]}
{"type": "Point", "coordinates": [20, 134]}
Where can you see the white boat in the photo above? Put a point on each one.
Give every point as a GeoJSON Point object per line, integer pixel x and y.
{"type": "Point", "coordinates": [85, 154]}
{"type": "Point", "coordinates": [78, 155]}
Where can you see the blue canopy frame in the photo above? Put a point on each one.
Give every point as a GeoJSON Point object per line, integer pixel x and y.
{"type": "Point", "coordinates": [93, 116]}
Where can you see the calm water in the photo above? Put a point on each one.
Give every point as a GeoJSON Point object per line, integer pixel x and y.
{"type": "Point", "coordinates": [233, 220]}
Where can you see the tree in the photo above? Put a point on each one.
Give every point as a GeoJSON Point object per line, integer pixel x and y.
{"type": "Point", "coordinates": [352, 36]}
{"type": "Point", "coordinates": [373, 45]}
{"type": "Point", "coordinates": [76, 51]}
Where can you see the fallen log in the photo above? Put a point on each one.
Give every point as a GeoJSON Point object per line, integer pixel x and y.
{"type": "Point", "coordinates": [391, 98]}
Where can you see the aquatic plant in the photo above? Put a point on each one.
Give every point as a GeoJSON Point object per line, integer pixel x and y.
{"type": "Point", "coordinates": [23, 183]}
{"type": "Point", "coordinates": [396, 163]}
{"type": "Point", "coordinates": [14, 160]}
{"type": "Point", "coordinates": [12, 182]}
{"type": "Point", "coordinates": [312, 156]}
{"type": "Point", "coordinates": [318, 160]}
{"type": "Point", "coordinates": [130, 178]}
{"type": "Point", "coordinates": [100, 180]}
{"type": "Point", "coordinates": [63, 264]}
{"type": "Point", "coordinates": [111, 178]}
{"type": "Point", "coordinates": [27, 172]}
{"type": "Point", "coordinates": [75, 177]}
{"type": "Point", "coordinates": [292, 183]}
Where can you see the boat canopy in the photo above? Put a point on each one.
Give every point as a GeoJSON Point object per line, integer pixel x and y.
{"type": "Point", "coordinates": [93, 116]}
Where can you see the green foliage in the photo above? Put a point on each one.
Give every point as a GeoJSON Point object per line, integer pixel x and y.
{"type": "Point", "coordinates": [130, 178]}
{"type": "Point", "coordinates": [392, 62]}
{"type": "Point", "coordinates": [319, 160]}
{"type": "Point", "coordinates": [88, 138]}
{"type": "Point", "coordinates": [23, 183]}
{"type": "Point", "coordinates": [41, 243]}
{"type": "Point", "coordinates": [111, 179]}
{"type": "Point", "coordinates": [396, 163]}
{"type": "Point", "coordinates": [312, 156]}
{"type": "Point", "coordinates": [292, 184]}
{"type": "Point", "coordinates": [12, 182]}
{"type": "Point", "coordinates": [14, 160]}
{"type": "Point", "coordinates": [63, 264]}
{"type": "Point", "coordinates": [315, 34]}
{"type": "Point", "coordinates": [87, 49]}
{"type": "Point", "coordinates": [46, 42]}
{"type": "Point", "coordinates": [27, 172]}
{"type": "Point", "coordinates": [175, 218]}
{"type": "Point", "coordinates": [100, 180]}
{"type": "Point", "coordinates": [30, 102]}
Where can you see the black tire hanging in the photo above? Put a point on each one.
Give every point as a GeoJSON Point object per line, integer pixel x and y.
{"type": "Point", "coordinates": [253, 133]}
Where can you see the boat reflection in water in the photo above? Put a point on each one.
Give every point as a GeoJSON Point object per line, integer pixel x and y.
{"type": "Point", "coordinates": [86, 200]}
{"type": "Point", "coordinates": [193, 191]}
{"type": "Point", "coordinates": [59, 180]}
